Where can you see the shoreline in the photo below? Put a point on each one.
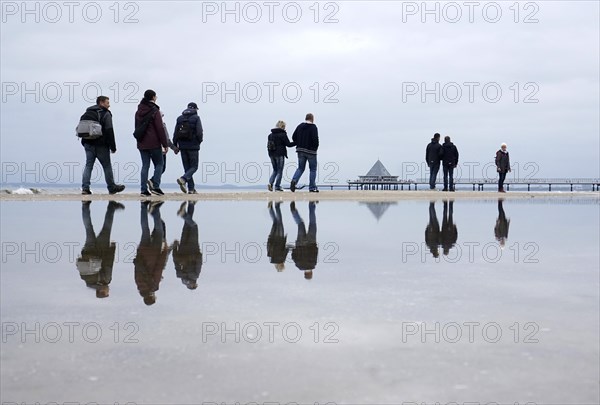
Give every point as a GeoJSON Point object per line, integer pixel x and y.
{"type": "Point", "coordinates": [336, 195]}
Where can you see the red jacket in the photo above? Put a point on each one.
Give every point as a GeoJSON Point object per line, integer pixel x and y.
{"type": "Point", "coordinates": [155, 134]}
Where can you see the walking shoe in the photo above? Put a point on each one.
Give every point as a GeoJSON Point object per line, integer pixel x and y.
{"type": "Point", "coordinates": [278, 189]}
{"type": "Point", "coordinates": [192, 192]}
{"type": "Point", "coordinates": [313, 191]}
{"type": "Point", "coordinates": [157, 191]}
{"type": "Point", "coordinates": [86, 191]}
{"type": "Point", "coordinates": [150, 184]}
{"type": "Point", "coordinates": [270, 187]}
{"type": "Point", "coordinates": [145, 194]}
{"type": "Point", "coordinates": [116, 189]}
{"type": "Point", "coordinates": [501, 191]}
{"type": "Point", "coordinates": [293, 186]}
{"type": "Point", "coordinates": [452, 189]}
{"type": "Point", "coordinates": [181, 182]}
{"type": "Point", "coordinates": [445, 189]}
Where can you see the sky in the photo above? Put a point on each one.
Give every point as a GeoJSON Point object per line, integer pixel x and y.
{"type": "Point", "coordinates": [381, 77]}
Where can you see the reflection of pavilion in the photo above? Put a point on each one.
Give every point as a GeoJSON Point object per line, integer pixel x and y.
{"type": "Point", "coordinates": [378, 208]}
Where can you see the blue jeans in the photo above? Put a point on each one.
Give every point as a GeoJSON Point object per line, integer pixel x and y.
{"type": "Point", "coordinates": [189, 158]}
{"type": "Point", "coordinates": [449, 173]}
{"type": "Point", "coordinates": [277, 162]}
{"type": "Point", "coordinates": [156, 156]}
{"type": "Point", "coordinates": [312, 165]}
{"type": "Point", "coordinates": [102, 153]}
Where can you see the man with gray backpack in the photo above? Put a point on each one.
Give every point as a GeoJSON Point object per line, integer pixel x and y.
{"type": "Point", "coordinates": [188, 136]}
{"type": "Point", "coordinates": [97, 136]}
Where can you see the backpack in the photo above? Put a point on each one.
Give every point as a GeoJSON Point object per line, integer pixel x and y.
{"type": "Point", "coordinates": [140, 130]}
{"type": "Point", "coordinates": [184, 130]}
{"type": "Point", "coordinates": [271, 144]}
{"type": "Point", "coordinates": [89, 126]}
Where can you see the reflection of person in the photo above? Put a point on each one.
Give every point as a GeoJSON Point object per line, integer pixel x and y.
{"type": "Point", "coordinates": [187, 256]}
{"type": "Point", "coordinates": [152, 252]}
{"type": "Point", "coordinates": [276, 242]}
{"type": "Point", "coordinates": [432, 231]}
{"type": "Point", "coordinates": [449, 231]}
{"type": "Point", "coordinates": [433, 155]}
{"type": "Point", "coordinates": [97, 258]}
{"type": "Point", "coordinates": [501, 228]}
{"type": "Point", "coordinates": [306, 251]}
{"type": "Point", "coordinates": [502, 166]}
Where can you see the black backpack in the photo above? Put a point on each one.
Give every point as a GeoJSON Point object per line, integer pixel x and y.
{"type": "Point", "coordinates": [184, 130]}
{"type": "Point", "coordinates": [140, 130]}
{"type": "Point", "coordinates": [271, 144]}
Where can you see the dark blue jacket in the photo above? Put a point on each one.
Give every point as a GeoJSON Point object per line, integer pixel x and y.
{"type": "Point", "coordinates": [191, 115]}
{"type": "Point", "coordinates": [306, 138]}
{"type": "Point", "coordinates": [282, 142]}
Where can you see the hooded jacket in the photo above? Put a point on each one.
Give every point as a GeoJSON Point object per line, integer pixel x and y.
{"type": "Point", "coordinates": [108, 135]}
{"type": "Point", "coordinates": [190, 114]}
{"type": "Point", "coordinates": [433, 152]}
{"type": "Point", "coordinates": [449, 154]}
{"type": "Point", "coordinates": [306, 138]}
{"type": "Point", "coordinates": [282, 142]}
{"type": "Point", "coordinates": [502, 161]}
{"type": "Point", "coordinates": [155, 136]}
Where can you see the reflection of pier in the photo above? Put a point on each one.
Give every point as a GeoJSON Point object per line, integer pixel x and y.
{"type": "Point", "coordinates": [378, 208]}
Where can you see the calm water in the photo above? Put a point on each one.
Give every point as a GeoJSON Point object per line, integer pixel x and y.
{"type": "Point", "coordinates": [344, 302]}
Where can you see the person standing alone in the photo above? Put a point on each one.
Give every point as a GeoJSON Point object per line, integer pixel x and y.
{"type": "Point", "coordinates": [449, 162]}
{"type": "Point", "coordinates": [502, 166]}
{"type": "Point", "coordinates": [433, 155]}
{"type": "Point", "coordinates": [187, 138]}
{"type": "Point", "coordinates": [306, 138]}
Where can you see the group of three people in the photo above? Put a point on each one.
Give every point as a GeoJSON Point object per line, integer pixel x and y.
{"type": "Point", "coordinates": [446, 154]}
{"type": "Point", "coordinates": [153, 142]}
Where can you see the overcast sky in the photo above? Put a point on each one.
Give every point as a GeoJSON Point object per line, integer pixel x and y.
{"type": "Point", "coordinates": [367, 70]}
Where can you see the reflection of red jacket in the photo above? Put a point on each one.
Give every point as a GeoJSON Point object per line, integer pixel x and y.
{"type": "Point", "coordinates": [149, 263]}
{"type": "Point", "coordinates": [155, 136]}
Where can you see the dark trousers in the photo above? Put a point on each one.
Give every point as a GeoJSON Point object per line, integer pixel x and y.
{"type": "Point", "coordinates": [102, 153]}
{"type": "Point", "coordinates": [434, 168]}
{"type": "Point", "coordinates": [448, 174]}
{"type": "Point", "coordinates": [501, 178]}
{"type": "Point", "coordinates": [190, 158]}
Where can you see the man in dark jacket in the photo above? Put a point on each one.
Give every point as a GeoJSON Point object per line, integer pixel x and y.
{"type": "Point", "coordinates": [188, 136]}
{"type": "Point", "coordinates": [502, 166]}
{"type": "Point", "coordinates": [100, 148]}
{"type": "Point", "coordinates": [306, 250]}
{"type": "Point", "coordinates": [187, 256]}
{"type": "Point", "coordinates": [433, 155]}
{"type": "Point", "coordinates": [152, 144]}
{"type": "Point", "coordinates": [306, 138]}
{"type": "Point", "coordinates": [449, 162]}
{"type": "Point", "coordinates": [279, 142]}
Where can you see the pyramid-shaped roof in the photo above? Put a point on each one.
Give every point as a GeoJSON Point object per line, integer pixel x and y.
{"type": "Point", "coordinates": [378, 170]}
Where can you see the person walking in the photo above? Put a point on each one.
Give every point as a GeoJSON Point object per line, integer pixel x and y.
{"type": "Point", "coordinates": [306, 139]}
{"type": "Point", "coordinates": [277, 145]}
{"type": "Point", "coordinates": [151, 144]}
{"type": "Point", "coordinates": [449, 162]}
{"type": "Point", "coordinates": [187, 137]}
{"type": "Point", "coordinates": [502, 166]}
{"type": "Point", "coordinates": [100, 148]}
{"type": "Point", "coordinates": [433, 155]}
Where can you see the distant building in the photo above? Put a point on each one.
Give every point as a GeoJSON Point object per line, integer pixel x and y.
{"type": "Point", "coordinates": [378, 173]}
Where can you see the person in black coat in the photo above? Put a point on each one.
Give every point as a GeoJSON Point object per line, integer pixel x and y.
{"type": "Point", "coordinates": [433, 155]}
{"type": "Point", "coordinates": [449, 162]}
{"type": "Point", "coordinates": [502, 166]}
{"type": "Point", "coordinates": [277, 145]}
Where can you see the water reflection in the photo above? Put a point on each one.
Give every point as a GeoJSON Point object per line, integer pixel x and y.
{"type": "Point", "coordinates": [95, 264]}
{"type": "Point", "coordinates": [306, 251]}
{"type": "Point", "coordinates": [187, 256]}
{"type": "Point", "coordinates": [152, 252]}
{"type": "Point", "coordinates": [501, 228]}
{"type": "Point", "coordinates": [277, 250]}
{"type": "Point", "coordinates": [447, 236]}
